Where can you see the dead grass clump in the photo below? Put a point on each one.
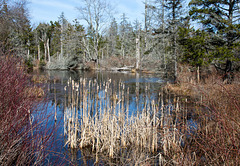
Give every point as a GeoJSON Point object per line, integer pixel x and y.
{"type": "Point", "coordinates": [39, 79]}
{"type": "Point", "coordinates": [183, 89]}
{"type": "Point", "coordinates": [34, 91]}
{"type": "Point", "coordinates": [91, 65]}
{"type": "Point", "coordinates": [114, 61]}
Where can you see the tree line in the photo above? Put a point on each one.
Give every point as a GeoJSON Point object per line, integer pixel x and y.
{"type": "Point", "coordinates": [199, 33]}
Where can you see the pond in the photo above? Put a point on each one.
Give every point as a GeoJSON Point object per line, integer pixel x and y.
{"type": "Point", "coordinates": [71, 93]}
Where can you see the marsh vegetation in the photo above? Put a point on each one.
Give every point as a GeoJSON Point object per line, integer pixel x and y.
{"type": "Point", "coordinates": [175, 102]}
{"type": "Point", "coordinates": [116, 118]}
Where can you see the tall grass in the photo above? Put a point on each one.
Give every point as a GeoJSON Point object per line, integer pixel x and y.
{"type": "Point", "coordinates": [97, 117]}
{"type": "Point", "coordinates": [192, 124]}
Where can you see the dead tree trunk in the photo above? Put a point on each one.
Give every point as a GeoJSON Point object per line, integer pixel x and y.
{"type": "Point", "coordinates": [48, 50]}
{"type": "Point", "coordinates": [39, 53]}
{"type": "Point", "coordinates": [138, 52]}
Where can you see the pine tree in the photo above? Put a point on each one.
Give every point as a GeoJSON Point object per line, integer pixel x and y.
{"type": "Point", "coordinates": [221, 20]}
{"type": "Point", "coordinates": [174, 8]}
{"type": "Point", "coordinates": [112, 37]}
{"type": "Point", "coordinates": [14, 27]}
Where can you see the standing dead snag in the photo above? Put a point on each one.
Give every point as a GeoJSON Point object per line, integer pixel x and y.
{"type": "Point", "coordinates": [138, 51]}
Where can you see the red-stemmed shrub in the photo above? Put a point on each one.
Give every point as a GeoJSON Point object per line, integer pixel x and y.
{"type": "Point", "coordinates": [216, 140]}
{"type": "Point", "coordinates": [22, 138]}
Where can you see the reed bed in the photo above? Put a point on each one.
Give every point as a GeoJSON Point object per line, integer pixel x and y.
{"type": "Point", "coordinates": [97, 117]}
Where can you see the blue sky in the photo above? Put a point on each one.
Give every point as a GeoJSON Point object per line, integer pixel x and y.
{"type": "Point", "coordinates": [50, 10]}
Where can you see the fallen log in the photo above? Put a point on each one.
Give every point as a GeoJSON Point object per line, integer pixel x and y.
{"type": "Point", "coordinates": [125, 68]}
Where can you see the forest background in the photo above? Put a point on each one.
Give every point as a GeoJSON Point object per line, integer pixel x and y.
{"type": "Point", "coordinates": [197, 33]}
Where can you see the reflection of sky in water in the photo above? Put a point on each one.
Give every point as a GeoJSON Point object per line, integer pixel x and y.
{"type": "Point", "coordinates": [192, 126]}
{"type": "Point", "coordinates": [59, 153]}
{"type": "Point", "coordinates": [145, 80]}
{"type": "Point", "coordinates": [132, 82]}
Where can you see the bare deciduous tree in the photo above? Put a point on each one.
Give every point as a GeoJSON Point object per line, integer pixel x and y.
{"type": "Point", "coordinates": [97, 14]}
{"type": "Point", "coordinates": [44, 38]}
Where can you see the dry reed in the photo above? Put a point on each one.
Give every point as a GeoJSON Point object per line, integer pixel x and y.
{"type": "Point", "coordinates": [97, 116]}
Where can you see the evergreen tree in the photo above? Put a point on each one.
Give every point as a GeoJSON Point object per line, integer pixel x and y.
{"type": "Point", "coordinates": [195, 46]}
{"type": "Point", "coordinates": [14, 27]}
{"type": "Point", "coordinates": [78, 35]}
{"type": "Point", "coordinates": [221, 20]}
{"type": "Point", "coordinates": [112, 37]}
{"type": "Point", "coordinates": [64, 25]}
{"type": "Point", "coordinates": [123, 33]}
{"type": "Point", "coordinates": [55, 43]}
{"type": "Point", "coordinates": [174, 8]}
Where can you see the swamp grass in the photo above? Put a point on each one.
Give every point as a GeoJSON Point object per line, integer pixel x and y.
{"type": "Point", "coordinates": [197, 127]}
{"type": "Point", "coordinates": [97, 120]}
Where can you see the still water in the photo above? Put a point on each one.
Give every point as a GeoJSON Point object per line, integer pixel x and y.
{"type": "Point", "coordinates": [142, 88]}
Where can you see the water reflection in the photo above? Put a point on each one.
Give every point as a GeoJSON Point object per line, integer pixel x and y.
{"type": "Point", "coordinates": [135, 81]}
{"type": "Point", "coordinates": [77, 95]}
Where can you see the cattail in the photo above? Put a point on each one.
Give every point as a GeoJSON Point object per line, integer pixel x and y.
{"type": "Point", "coordinates": [106, 124]}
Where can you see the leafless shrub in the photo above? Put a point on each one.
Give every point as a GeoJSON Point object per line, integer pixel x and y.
{"type": "Point", "coordinates": [216, 141]}
{"type": "Point", "coordinates": [23, 136]}
{"type": "Point", "coordinates": [57, 63]}
{"type": "Point", "coordinates": [115, 61]}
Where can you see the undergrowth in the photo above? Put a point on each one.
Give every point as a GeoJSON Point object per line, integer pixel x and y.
{"type": "Point", "coordinates": [216, 141]}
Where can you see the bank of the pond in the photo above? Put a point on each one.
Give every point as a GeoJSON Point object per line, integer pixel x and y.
{"type": "Point", "coordinates": [113, 64]}
{"type": "Point", "coordinates": [216, 141]}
